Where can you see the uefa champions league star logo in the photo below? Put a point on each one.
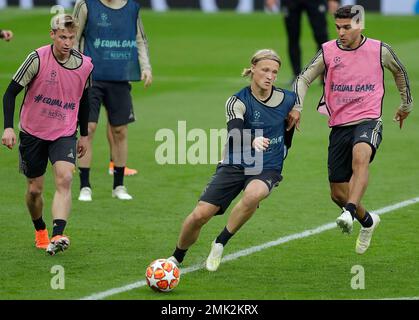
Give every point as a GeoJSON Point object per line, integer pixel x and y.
{"type": "Point", "coordinates": [337, 63]}
{"type": "Point", "coordinates": [52, 76]}
{"type": "Point", "coordinates": [257, 118]}
{"type": "Point", "coordinates": [104, 22]}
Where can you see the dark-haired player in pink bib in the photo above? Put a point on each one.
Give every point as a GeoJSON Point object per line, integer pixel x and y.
{"type": "Point", "coordinates": [56, 78]}
{"type": "Point", "coordinates": [353, 67]}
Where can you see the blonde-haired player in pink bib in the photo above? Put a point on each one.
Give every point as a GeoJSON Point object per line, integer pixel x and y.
{"type": "Point", "coordinates": [56, 78]}
{"type": "Point", "coordinates": [353, 67]}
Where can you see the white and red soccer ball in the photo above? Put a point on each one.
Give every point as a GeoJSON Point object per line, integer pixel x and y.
{"type": "Point", "coordinates": [162, 275]}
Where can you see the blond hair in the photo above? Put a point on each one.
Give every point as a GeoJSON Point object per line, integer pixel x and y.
{"type": "Point", "coordinates": [263, 54]}
{"type": "Point", "coordinates": [64, 21]}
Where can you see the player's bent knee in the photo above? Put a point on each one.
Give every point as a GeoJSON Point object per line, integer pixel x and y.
{"type": "Point", "coordinates": [198, 218]}
{"type": "Point", "coordinates": [92, 129]}
{"type": "Point", "coordinates": [120, 132]}
{"type": "Point", "coordinates": [252, 199]}
{"type": "Point", "coordinates": [202, 214]}
{"type": "Point", "coordinates": [34, 192]}
{"type": "Point", "coordinates": [253, 195]}
{"type": "Point", "coordinates": [362, 153]}
{"type": "Point", "coordinates": [64, 180]}
{"type": "Point", "coordinates": [35, 188]}
{"type": "Point", "coordinates": [361, 161]}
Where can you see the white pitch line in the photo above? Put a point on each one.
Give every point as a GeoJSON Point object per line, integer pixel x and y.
{"type": "Point", "coordinates": [251, 250]}
{"type": "Point", "coordinates": [401, 298]}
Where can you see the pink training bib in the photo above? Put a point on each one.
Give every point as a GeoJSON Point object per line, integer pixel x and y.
{"type": "Point", "coordinates": [354, 82]}
{"type": "Point", "coordinates": [52, 100]}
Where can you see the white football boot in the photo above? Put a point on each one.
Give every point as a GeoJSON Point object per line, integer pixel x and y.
{"type": "Point", "coordinates": [121, 193]}
{"type": "Point", "coordinates": [214, 258]}
{"type": "Point", "coordinates": [58, 243]}
{"type": "Point", "coordinates": [174, 260]}
{"type": "Point", "coordinates": [85, 194]}
{"type": "Point", "coordinates": [345, 221]}
{"type": "Point", "coordinates": [365, 235]}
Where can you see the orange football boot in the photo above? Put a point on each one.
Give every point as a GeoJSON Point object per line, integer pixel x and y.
{"type": "Point", "coordinates": [41, 239]}
{"type": "Point", "coordinates": [127, 171]}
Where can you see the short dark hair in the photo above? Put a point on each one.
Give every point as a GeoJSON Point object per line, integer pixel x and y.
{"type": "Point", "coordinates": [346, 12]}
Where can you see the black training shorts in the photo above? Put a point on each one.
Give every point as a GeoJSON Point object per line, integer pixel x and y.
{"type": "Point", "coordinates": [34, 153]}
{"type": "Point", "coordinates": [341, 142]}
{"type": "Point", "coordinates": [116, 97]}
{"type": "Point", "coordinates": [229, 180]}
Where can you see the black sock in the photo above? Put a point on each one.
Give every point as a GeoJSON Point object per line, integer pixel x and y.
{"type": "Point", "coordinates": [179, 254]}
{"type": "Point", "coordinates": [118, 176]}
{"type": "Point", "coordinates": [366, 221]}
{"type": "Point", "coordinates": [84, 177]}
{"type": "Point", "coordinates": [39, 224]}
{"type": "Point", "coordinates": [351, 208]}
{"type": "Point", "coordinates": [224, 236]}
{"type": "Point", "coordinates": [58, 227]}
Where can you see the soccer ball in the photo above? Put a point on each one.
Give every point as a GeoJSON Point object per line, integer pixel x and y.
{"type": "Point", "coordinates": [162, 275]}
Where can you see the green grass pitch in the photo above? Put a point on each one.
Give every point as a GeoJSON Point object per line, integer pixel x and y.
{"type": "Point", "coordinates": [197, 60]}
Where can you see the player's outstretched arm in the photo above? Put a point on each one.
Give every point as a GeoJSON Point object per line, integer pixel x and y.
{"type": "Point", "coordinates": [313, 70]}
{"type": "Point", "coordinates": [391, 62]}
